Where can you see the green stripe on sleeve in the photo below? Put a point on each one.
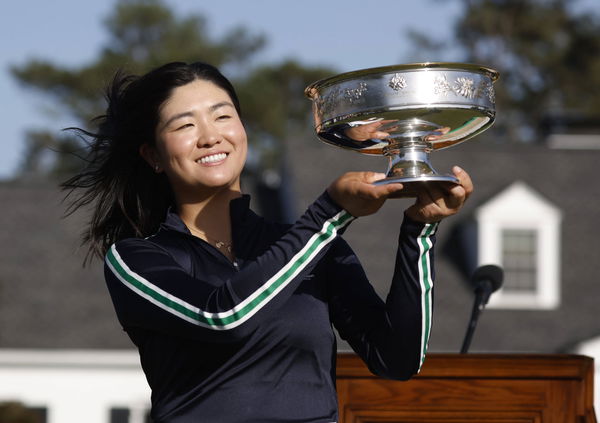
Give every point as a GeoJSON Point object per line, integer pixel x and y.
{"type": "Point", "coordinates": [426, 283]}
{"type": "Point", "coordinates": [247, 308]}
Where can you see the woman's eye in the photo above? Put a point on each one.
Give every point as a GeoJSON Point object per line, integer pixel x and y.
{"type": "Point", "coordinates": [222, 117]}
{"type": "Point", "coordinates": [187, 125]}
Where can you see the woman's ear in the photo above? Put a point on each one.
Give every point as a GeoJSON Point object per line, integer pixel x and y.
{"type": "Point", "coordinates": [150, 155]}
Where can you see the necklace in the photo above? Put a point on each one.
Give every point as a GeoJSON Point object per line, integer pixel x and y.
{"type": "Point", "coordinates": [219, 244]}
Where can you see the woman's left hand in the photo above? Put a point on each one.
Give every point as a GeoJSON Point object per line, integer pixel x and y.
{"type": "Point", "coordinates": [437, 201]}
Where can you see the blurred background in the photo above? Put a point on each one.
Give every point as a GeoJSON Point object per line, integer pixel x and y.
{"type": "Point", "coordinates": [63, 357]}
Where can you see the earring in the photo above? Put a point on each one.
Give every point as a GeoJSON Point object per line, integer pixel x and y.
{"type": "Point", "coordinates": [156, 167]}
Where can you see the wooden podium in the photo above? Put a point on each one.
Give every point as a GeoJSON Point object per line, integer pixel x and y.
{"type": "Point", "coordinates": [471, 388]}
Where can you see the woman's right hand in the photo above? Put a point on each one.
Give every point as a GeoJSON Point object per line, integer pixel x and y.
{"type": "Point", "coordinates": [355, 192]}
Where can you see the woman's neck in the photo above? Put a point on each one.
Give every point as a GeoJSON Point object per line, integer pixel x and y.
{"type": "Point", "coordinates": [209, 216]}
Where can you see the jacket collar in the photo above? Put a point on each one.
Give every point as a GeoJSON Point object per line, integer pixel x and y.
{"type": "Point", "coordinates": [239, 209]}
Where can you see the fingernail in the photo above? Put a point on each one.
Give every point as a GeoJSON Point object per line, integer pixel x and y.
{"type": "Point", "coordinates": [457, 169]}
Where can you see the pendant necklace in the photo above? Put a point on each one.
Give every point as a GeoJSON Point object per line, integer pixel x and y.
{"type": "Point", "coordinates": [219, 244]}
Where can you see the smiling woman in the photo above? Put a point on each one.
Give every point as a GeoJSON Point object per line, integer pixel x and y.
{"type": "Point", "coordinates": [232, 314]}
{"type": "Point", "coordinates": [200, 142]}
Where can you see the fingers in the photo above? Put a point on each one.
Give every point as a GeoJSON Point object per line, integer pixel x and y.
{"type": "Point", "coordinates": [356, 193]}
{"type": "Point", "coordinates": [435, 201]}
{"type": "Point", "coordinates": [380, 135]}
{"type": "Point", "coordinates": [431, 203]}
{"type": "Point", "coordinates": [383, 190]}
{"type": "Point", "coordinates": [370, 177]}
{"type": "Point", "coordinates": [464, 179]}
{"type": "Point", "coordinates": [366, 189]}
{"type": "Point", "coordinates": [459, 193]}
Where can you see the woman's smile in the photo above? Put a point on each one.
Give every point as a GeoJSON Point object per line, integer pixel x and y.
{"type": "Point", "coordinates": [212, 159]}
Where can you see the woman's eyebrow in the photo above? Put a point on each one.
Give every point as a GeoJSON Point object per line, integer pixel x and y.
{"type": "Point", "coordinates": [219, 105]}
{"type": "Point", "coordinates": [177, 116]}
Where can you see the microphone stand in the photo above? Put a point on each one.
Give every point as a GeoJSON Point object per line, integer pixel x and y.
{"type": "Point", "coordinates": [487, 279]}
{"type": "Point", "coordinates": [477, 308]}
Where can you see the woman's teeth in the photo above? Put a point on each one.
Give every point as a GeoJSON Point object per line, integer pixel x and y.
{"type": "Point", "coordinates": [212, 158]}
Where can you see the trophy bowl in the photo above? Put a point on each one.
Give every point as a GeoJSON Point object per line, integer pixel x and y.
{"type": "Point", "coordinates": [405, 112]}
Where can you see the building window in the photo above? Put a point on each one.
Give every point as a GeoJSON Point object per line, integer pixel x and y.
{"type": "Point", "coordinates": [519, 259]}
{"type": "Point", "coordinates": [119, 415]}
{"type": "Point", "coordinates": [520, 230]}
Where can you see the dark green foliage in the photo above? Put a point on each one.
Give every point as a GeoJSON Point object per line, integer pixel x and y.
{"type": "Point", "coordinates": [548, 57]}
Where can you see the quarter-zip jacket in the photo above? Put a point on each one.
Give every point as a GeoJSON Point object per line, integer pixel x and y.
{"type": "Point", "coordinates": [252, 341]}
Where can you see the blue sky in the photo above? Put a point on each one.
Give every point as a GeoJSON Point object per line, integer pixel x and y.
{"type": "Point", "coordinates": [346, 34]}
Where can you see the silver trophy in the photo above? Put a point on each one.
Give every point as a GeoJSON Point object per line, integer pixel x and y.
{"type": "Point", "coordinates": [405, 112]}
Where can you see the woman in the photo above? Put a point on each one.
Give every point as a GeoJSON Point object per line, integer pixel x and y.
{"type": "Point", "coordinates": [231, 314]}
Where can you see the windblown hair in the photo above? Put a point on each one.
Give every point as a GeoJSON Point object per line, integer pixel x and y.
{"type": "Point", "coordinates": [127, 198]}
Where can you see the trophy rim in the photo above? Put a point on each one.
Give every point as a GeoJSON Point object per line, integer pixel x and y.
{"type": "Point", "coordinates": [314, 88]}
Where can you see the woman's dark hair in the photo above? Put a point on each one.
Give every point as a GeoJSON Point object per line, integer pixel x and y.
{"type": "Point", "coordinates": [127, 197]}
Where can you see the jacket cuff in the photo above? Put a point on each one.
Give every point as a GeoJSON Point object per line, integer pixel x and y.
{"type": "Point", "coordinates": [414, 228]}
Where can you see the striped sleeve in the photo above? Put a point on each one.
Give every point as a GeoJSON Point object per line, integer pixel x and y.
{"type": "Point", "coordinates": [150, 290]}
{"type": "Point", "coordinates": [392, 335]}
{"type": "Point", "coordinates": [425, 277]}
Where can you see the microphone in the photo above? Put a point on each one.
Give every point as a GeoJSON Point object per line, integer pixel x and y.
{"type": "Point", "coordinates": [487, 280]}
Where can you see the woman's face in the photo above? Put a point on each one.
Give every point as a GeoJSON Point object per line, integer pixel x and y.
{"type": "Point", "coordinates": [200, 141]}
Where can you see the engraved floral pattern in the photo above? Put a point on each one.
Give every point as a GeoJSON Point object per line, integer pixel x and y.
{"type": "Point", "coordinates": [465, 87]}
{"type": "Point", "coordinates": [487, 88]}
{"type": "Point", "coordinates": [480, 88]}
{"type": "Point", "coordinates": [441, 85]}
{"type": "Point", "coordinates": [397, 82]}
{"type": "Point", "coordinates": [355, 94]}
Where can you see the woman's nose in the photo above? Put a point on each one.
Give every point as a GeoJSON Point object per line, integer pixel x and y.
{"type": "Point", "coordinates": [209, 137]}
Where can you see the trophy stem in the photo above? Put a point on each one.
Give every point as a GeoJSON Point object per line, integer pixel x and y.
{"type": "Point", "coordinates": [408, 161]}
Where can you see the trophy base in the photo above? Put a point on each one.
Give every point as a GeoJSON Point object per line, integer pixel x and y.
{"type": "Point", "coordinates": [405, 180]}
{"type": "Point", "coordinates": [415, 184]}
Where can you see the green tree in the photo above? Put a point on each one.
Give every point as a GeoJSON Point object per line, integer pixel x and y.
{"type": "Point", "coordinates": [144, 34]}
{"type": "Point", "coordinates": [274, 106]}
{"type": "Point", "coordinates": [548, 57]}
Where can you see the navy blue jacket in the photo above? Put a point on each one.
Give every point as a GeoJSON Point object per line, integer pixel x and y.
{"type": "Point", "coordinates": [252, 341]}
